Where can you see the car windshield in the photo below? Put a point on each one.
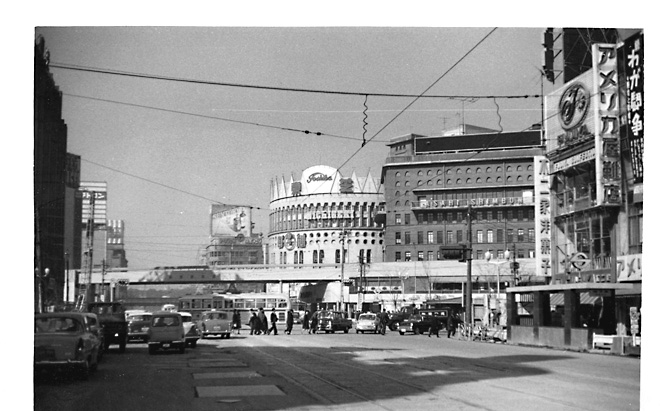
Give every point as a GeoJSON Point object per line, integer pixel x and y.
{"type": "Point", "coordinates": [326, 314]}
{"type": "Point", "coordinates": [415, 317]}
{"type": "Point", "coordinates": [165, 321]}
{"type": "Point", "coordinates": [367, 317]}
{"type": "Point", "coordinates": [57, 325]}
{"type": "Point", "coordinates": [139, 317]}
{"type": "Point", "coordinates": [216, 316]}
{"type": "Point", "coordinates": [186, 318]}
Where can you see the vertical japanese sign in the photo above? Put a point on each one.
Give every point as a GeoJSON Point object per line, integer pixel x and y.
{"type": "Point", "coordinates": [543, 221]}
{"type": "Point", "coordinates": [606, 113]}
{"type": "Point", "coordinates": [634, 69]}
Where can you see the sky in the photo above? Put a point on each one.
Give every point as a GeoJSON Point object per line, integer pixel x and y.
{"type": "Point", "coordinates": [169, 149]}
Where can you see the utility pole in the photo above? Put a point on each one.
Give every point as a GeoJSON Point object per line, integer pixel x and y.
{"type": "Point", "coordinates": [341, 285]}
{"type": "Point", "coordinates": [468, 291]}
{"type": "Point", "coordinates": [103, 279]}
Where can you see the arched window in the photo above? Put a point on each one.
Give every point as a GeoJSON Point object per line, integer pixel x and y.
{"type": "Point", "coordinates": [315, 257]}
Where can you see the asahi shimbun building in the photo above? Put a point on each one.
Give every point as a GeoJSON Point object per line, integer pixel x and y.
{"type": "Point", "coordinates": [311, 216]}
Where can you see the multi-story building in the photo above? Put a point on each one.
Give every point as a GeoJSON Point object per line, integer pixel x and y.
{"type": "Point", "coordinates": [316, 217]}
{"type": "Point", "coordinates": [50, 184]}
{"type": "Point", "coordinates": [432, 183]}
{"type": "Point", "coordinates": [115, 252]}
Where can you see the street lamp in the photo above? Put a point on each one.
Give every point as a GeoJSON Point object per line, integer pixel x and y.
{"type": "Point", "coordinates": [489, 256]}
{"type": "Point", "coordinates": [40, 288]}
{"type": "Point", "coordinates": [341, 256]}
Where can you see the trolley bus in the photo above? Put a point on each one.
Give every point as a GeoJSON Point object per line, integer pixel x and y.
{"type": "Point", "coordinates": [244, 303]}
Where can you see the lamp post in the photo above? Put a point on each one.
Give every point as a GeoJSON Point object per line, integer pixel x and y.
{"type": "Point", "coordinates": [489, 257]}
{"type": "Point", "coordinates": [341, 257]}
{"type": "Point", "coordinates": [66, 282]}
{"type": "Point", "coordinates": [40, 288]}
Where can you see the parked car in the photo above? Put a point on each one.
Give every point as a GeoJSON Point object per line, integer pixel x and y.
{"type": "Point", "coordinates": [215, 323]}
{"type": "Point", "coordinates": [401, 315]}
{"type": "Point", "coordinates": [66, 340]}
{"type": "Point", "coordinates": [331, 321]}
{"type": "Point", "coordinates": [190, 328]}
{"type": "Point", "coordinates": [96, 327]}
{"type": "Point", "coordinates": [166, 331]}
{"type": "Point", "coordinates": [113, 319]}
{"type": "Point", "coordinates": [367, 322]}
{"type": "Point", "coordinates": [138, 326]}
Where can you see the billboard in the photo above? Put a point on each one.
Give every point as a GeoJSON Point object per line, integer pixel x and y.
{"type": "Point", "coordinates": [94, 201]}
{"type": "Point", "coordinates": [320, 180]}
{"type": "Point", "coordinates": [585, 113]}
{"type": "Point", "coordinates": [633, 67]}
{"type": "Point", "coordinates": [227, 220]}
{"type": "Point", "coordinates": [542, 215]}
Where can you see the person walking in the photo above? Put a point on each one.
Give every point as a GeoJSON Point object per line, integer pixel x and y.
{"type": "Point", "coordinates": [289, 322]}
{"type": "Point", "coordinates": [264, 321]}
{"type": "Point", "coordinates": [273, 322]}
{"type": "Point", "coordinates": [384, 319]}
{"type": "Point", "coordinates": [255, 324]}
{"type": "Point", "coordinates": [435, 326]}
{"type": "Point", "coordinates": [451, 325]}
{"type": "Point", "coordinates": [305, 322]}
{"type": "Point", "coordinates": [236, 321]}
{"type": "Point", "coordinates": [314, 323]}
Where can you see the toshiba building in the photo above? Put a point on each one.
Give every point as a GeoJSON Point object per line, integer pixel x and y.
{"type": "Point", "coordinates": [315, 217]}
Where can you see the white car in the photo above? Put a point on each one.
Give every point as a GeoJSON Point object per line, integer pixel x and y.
{"type": "Point", "coordinates": [191, 330]}
{"type": "Point", "coordinates": [367, 322]}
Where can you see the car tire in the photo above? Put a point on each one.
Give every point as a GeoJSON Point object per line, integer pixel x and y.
{"type": "Point", "coordinates": [228, 335]}
{"type": "Point", "coordinates": [345, 330]}
{"type": "Point", "coordinates": [402, 333]}
{"type": "Point", "coordinates": [182, 348]}
{"type": "Point", "coordinates": [85, 370]}
{"type": "Point", "coordinates": [152, 349]}
{"type": "Point", "coordinates": [193, 344]}
{"type": "Point", "coordinates": [416, 331]}
{"type": "Point", "coordinates": [122, 346]}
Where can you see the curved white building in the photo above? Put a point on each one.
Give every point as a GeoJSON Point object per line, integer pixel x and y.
{"type": "Point", "coordinates": [310, 217]}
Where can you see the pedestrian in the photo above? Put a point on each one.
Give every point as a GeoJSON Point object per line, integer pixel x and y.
{"type": "Point", "coordinates": [236, 321]}
{"type": "Point", "coordinates": [289, 322]}
{"type": "Point", "coordinates": [255, 324]}
{"type": "Point", "coordinates": [451, 325]}
{"type": "Point", "coordinates": [315, 321]}
{"type": "Point", "coordinates": [435, 326]}
{"type": "Point", "coordinates": [305, 322]}
{"type": "Point", "coordinates": [273, 322]}
{"type": "Point", "coordinates": [264, 321]}
{"type": "Point", "coordinates": [384, 319]}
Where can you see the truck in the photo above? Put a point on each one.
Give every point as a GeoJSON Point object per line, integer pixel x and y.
{"type": "Point", "coordinates": [112, 318]}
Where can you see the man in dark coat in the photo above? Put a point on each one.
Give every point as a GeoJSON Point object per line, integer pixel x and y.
{"type": "Point", "coordinates": [435, 326]}
{"type": "Point", "coordinates": [255, 324]}
{"type": "Point", "coordinates": [236, 321]}
{"type": "Point", "coordinates": [289, 322]}
{"type": "Point", "coordinates": [273, 322]}
{"type": "Point", "coordinates": [384, 319]}
{"type": "Point", "coordinates": [264, 321]}
{"type": "Point", "coordinates": [315, 322]}
{"type": "Point", "coordinates": [305, 322]}
{"type": "Point", "coordinates": [451, 325]}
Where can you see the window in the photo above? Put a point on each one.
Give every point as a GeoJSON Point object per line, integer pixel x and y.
{"type": "Point", "coordinates": [337, 256]}
{"type": "Point", "coordinates": [459, 216]}
{"type": "Point", "coordinates": [500, 216]}
{"type": "Point", "coordinates": [315, 257]}
{"type": "Point", "coordinates": [429, 237]}
{"type": "Point", "coordinates": [435, 218]}
{"type": "Point", "coordinates": [321, 256]}
{"type": "Point", "coordinates": [422, 217]}
{"type": "Point", "coordinates": [509, 215]}
{"type": "Point", "coordinates": [509, 235]}
{"type": "Point", "coordinates": [500, 235]}
{"type": "Point", "coordinates": [489, 235]}
{"type": "Point", "coordinates": [368, 256]}
{"type": "Point", "coordinates": [429, 255]}
{"type": "Point", "coordinates": [520, 252]}
{"type": "Point", "coordinates": [397, 237]}
{"type": "Point", "coordinates": [530, 235]}
{"type": "Point", "coordinates": [420, 256]}
{"type": "Point", "coordinates": [407, 218]}
{"type": "Point", "coordinates": [480, 236]}
{"type": "Point", "coordinates": [397, 256]}
{"type": "Point", "coordinates": [520, 215]}
{"type": "Point", "coordinates": [480, 254]}
{"type": "Point", "coordinates": [450, 217]}
{"type": "Point", "coordinates": [500, 254]}
{"type": "Point", "coordinates": [397, 218]}
{"type": "Point", "coordinates": [406, 237]}
{"type": "Point", "coordinates": [521, 235]}
{"type": "Point", "coordinates": [489, 216]}
{"type": "Point", "coordinates": [420, 237]}
{"type": "Point", "coordinates": [480, 216]}
{"type": "Point", "coordinates": [407, 256]}
{"type": "Point", "coordinates": [450, 237]}
{"type": "Point", "coordinates": [439, 237]}
{"type": "Point", "coordinates": [459, 236]}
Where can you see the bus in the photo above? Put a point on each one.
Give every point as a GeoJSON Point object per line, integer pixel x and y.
{"type": "Point", "coordinates": [244, 303]}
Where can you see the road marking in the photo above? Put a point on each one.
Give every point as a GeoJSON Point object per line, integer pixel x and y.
{"type": "Point", "coordinates": [238, 391]}
{"type": "Point", "coordinates": [235, 374]}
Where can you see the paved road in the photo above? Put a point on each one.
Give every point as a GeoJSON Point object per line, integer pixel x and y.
{"type": "Point", "coordinates": [349, 372]}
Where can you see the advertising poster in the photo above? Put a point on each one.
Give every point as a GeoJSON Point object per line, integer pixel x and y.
{"type": "Point", "coordinates": [231, 220]}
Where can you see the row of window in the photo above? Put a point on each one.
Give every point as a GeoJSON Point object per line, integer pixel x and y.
{"type": "Point", "coordinates": [232, 253]}
{"type": "Point", "coordinates": [480, 255]}
{"type": "Point", "coordinates": [523, 214]}
{"type": "Point", "coordinates": [318, 256]}
{"type": "Point", "coordinates": [467, 170]}
{"type": "Point", "coordinates": [447, 237]}
{"type": "Point", "coordinates": [468, 180]}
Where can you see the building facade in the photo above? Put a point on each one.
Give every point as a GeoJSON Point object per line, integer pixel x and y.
{"type": "Point", "coordinates": [50, 185]}
{"type": "Point", "coordinates": [324, 218]}
{"type": "Point", "coordinates": [432, 183]}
